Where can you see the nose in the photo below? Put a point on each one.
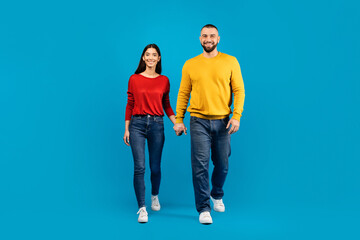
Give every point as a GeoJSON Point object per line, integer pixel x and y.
{"type": "Point", "coordinates": [207, 39]}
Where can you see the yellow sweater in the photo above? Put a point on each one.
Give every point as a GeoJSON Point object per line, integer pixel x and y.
{"type": "Point", "coordinates": [211, 82]}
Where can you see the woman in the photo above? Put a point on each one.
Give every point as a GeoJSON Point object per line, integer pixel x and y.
{"type": "Point", "coordinates": [148, 95]}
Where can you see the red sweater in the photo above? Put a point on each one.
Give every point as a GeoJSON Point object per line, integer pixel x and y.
{"type": "Point", "coordinates": [148, 96]}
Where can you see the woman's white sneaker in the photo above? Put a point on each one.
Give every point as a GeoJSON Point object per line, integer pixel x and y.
{"type": "Point", "coordinates": [155, 204]}
{"type": "Point", "coordinates": [143, 215]}
{"type": "Point", "coordinates": [218, 204]}
{"type": "Point", "coordinates": [205, 218]}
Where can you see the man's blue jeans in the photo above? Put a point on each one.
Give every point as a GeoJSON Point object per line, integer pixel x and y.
{"type": "Point", "coordinates": [206, 136]}
{"type": "Point", "coordinates": [150, 128]}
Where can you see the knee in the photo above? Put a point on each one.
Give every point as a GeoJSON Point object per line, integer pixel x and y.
{"type": "Point", "coordinates": [221, 167]}
{"type": "Point", "coordinates": [224, 167]}
{"type": "Point", "coordinates": [199, 171]}
{"type": "Point", "coordinates": [155, 170]}
{"type": "Point", "coordinates": [139, 171]}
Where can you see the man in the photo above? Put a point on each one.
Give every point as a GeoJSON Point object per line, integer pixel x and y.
{"type": "Point", "coordinates": [211, 78]}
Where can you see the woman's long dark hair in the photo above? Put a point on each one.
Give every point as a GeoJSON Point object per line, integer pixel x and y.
{"type": "Point", "coordinates": [142, 66]}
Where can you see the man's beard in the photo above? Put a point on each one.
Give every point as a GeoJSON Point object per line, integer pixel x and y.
{"type": "Point", "coordinates": [209, 49]}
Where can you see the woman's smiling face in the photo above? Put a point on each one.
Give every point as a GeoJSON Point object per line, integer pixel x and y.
{"type": "Point", "coordinates": [151, 57]}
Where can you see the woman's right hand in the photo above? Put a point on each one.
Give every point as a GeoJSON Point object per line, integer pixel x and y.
{"type": "Point", "coordinates": [126, 137]}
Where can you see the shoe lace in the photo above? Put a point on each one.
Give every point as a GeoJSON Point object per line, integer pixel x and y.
{"type": "Point", "coordinates": [219, 202]}
{"type": "Point", "coordinates": [206, 214]}
{"type": "Point", "coordinates": [142, 212]}
{"type": "Point", "coordinates": [155, 201]}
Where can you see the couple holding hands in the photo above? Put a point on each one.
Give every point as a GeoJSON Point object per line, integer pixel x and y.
{"type": "Point", "coordinates": [211, 78]}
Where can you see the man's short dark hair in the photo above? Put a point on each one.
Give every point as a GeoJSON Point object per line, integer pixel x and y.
{"type": "Point", "coordinates": [209, 26]}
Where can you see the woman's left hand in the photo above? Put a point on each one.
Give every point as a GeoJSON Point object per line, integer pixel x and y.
{"type": "Point", "coordinates": [126, 137]}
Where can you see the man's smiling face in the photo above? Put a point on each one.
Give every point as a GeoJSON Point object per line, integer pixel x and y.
{"type": "Point", "coordinates": [209, 39]}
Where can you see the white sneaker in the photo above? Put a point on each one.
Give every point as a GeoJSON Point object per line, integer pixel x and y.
{"type": "Point", "coordinates": [155, 204]}
{"type": "Point", "coordinates": [143, 215]}
{"type": "Point", "coordinates": [205, 218]}
{"type": "Point", "coordinates": [218, 204]}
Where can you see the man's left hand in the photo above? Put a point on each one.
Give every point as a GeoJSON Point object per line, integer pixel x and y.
{"type": "Point", "coordinates": [235, 124]}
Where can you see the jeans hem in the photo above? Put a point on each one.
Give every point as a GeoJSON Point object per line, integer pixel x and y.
{"type": "Point", "coordinates": [204, 210]}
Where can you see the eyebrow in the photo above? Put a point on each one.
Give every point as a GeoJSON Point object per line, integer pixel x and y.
{"type": "Point", "coordinates": [204, 34]}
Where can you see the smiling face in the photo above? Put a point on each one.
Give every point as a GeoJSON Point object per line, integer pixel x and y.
{"type": "Point", "coordinates": [209, 38]}
{"type": "Point", "coordinates": [151, 57]}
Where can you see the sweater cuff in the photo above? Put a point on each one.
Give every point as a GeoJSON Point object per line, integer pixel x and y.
{"type": "Point", "coordinates": [236, 116]}
{"type": "Point", "coordinates": [179, 120]}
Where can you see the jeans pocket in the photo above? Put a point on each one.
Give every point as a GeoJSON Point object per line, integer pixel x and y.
{"type": "Point", "coordinates": [135, 121]}
{"type": "Point", "coordinates": [159, 120]}
{"type": "Point", "coordinates": [225, 121]}
{"type": "Point", "coordinates": [193, 119]}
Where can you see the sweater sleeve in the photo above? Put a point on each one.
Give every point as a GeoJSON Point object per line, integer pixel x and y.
{"type": "Point", "coordinates": [130, 101]}
{"type": "Point", "coordinates": [166, 101]}
{"type": "Point", "coordinates": [183, 95]}
{"type": "Point", "coordinates": [237, 86]}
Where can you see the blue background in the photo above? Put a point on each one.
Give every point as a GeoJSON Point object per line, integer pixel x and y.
{"type": "Point", "coordinates": [64, 68]}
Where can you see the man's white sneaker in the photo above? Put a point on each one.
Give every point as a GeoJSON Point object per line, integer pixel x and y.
{"type": "Point", "coordinates": [218, 205]}
{"type": "Point", "coordinates": [155, 204]}
{"type": "Point", "coordinates": [143, 215]}
{"type": "Point", "coordinates": [205, 218]}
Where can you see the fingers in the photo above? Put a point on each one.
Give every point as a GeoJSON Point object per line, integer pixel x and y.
{"type": "Point", "coordinates": [126, 140]}
{"type": "Point", "coordinates": [179, 129]}
{"type": "Point", "coordinates": [177, 132]}
{"type": "Point", "coordinates": [232, 130]}
{"type": "Point", "coordinates": [235, 124]}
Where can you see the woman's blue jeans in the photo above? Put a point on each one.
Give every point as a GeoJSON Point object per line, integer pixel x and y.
{"type": "Point", "coordinates": [150, 128]}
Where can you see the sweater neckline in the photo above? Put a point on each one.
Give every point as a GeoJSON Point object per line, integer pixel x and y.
{"type": "Point", "coordinates": [218, 55]}
{"type": "Point", "coordinates": [149, 77]}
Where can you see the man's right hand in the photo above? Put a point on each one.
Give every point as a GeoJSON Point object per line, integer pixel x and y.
{"type": "Point", "coordinates": [180, 128]}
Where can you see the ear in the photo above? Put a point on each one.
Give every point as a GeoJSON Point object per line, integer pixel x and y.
{"type": "Point", "coordinates": [159, 59]}
{"type": "Point", "coordinates": [143, 58]}
{"type": "Point", "coordinates": [218, 39]}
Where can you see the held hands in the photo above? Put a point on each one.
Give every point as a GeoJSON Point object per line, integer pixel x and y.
{"type": "Point", "coordinates": [126, 137]}
{"type": "Point", "coordinates": [235, 124]}
{"type": "Point", "coordinates": [180, 128]}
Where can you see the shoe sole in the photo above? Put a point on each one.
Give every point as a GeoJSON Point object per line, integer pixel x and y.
{"type": "Point", "coordinates": [142, 221]}
{"type": "Point", "coordinates": [206, 223]}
